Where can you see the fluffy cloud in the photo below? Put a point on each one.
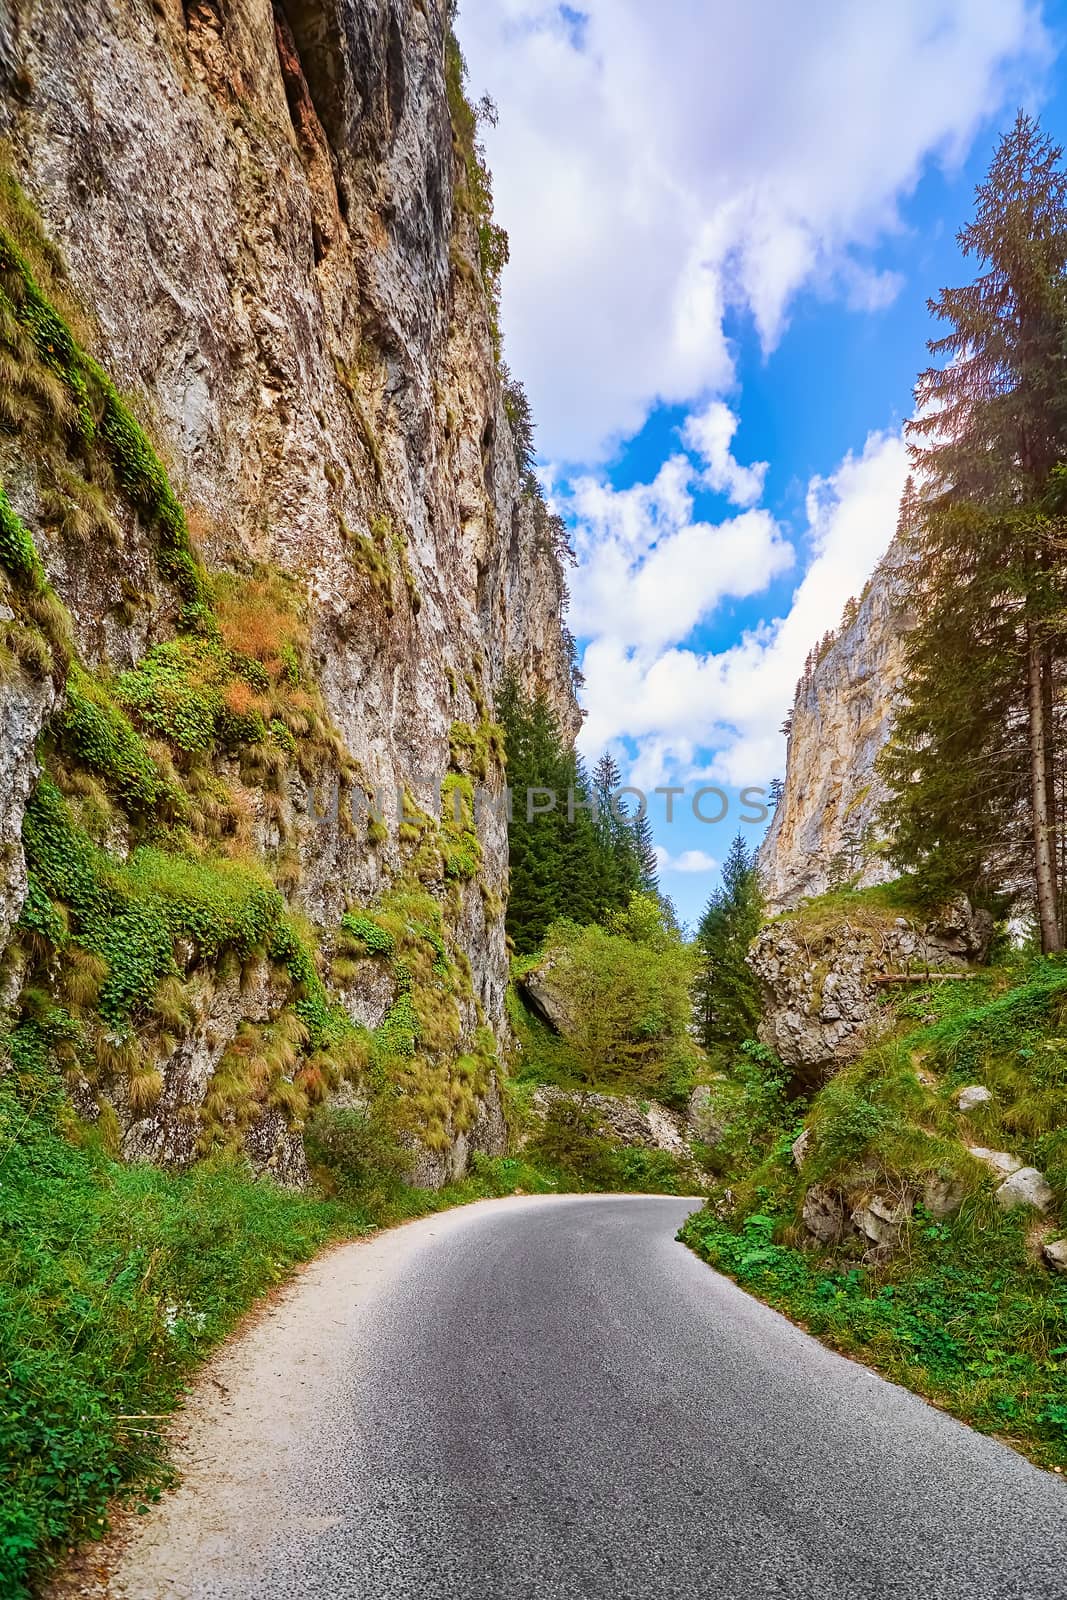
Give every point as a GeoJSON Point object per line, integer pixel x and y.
{"type": "Point", "coordinates": [649, 570]}
{"type": "Point", "coordinates": [658, 166]}
{"type": "Point", "coordinates": [709, 433]}
{"type": "Point", "coordinates": [689, 861]}
{"type": "Point", "coordinates": [716, 716]}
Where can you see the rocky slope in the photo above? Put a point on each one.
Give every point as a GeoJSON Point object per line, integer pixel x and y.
{"type": "Point", "coordinates": [282, 576]}
{"type": "Point", "coordinates": [825, 830]}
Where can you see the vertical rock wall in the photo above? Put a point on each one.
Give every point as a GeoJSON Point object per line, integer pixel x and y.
{"type": "Point", "coordinates": [825, 830]}
{"type": "Point", "coordinates": [264, 216]}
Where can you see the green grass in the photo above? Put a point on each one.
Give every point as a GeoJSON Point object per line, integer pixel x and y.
{"type": "Point", "coordinates": [883, 902]}
{"type": "Point", "coordinates": [116, 1281]}
{"type": "Point", "coordinates": [964, 1312]}
{"type": "Point", "coordinates": [965, 1320]}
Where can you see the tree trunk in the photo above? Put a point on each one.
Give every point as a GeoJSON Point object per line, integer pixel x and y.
{"type": "Point", "coordinates": [1048, 706]}
{"type": "Point", "coordinates": [1044, 864]}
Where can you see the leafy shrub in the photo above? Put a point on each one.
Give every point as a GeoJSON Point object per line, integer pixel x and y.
{"type": "Point", "coordinates": [569, 1146]}
{"type": "Point", "coordinates": [629, 999]}
{"type": "Point", "coordinates": [356, 1151]}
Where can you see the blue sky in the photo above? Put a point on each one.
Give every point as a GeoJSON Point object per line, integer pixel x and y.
{"type": "Point", "coordinates": [725, 222]}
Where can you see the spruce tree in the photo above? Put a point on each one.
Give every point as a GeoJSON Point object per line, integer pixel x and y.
{"type": "Point", "coordinates": [561, 865]}
{"type": "Point", "coordinates": [645, 852]}
{"type": "Point", "coordinates": [975, 745]}
{"type": "Point", "coordinates": [727, 1000]}
{"type": "Point", "coordinates": [615, 832]}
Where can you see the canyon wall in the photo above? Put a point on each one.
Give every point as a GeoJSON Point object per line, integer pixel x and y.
{"type": "Point", "coordinates": [269, 551]}
{"type": "Point", "coordinates": [825, 830]}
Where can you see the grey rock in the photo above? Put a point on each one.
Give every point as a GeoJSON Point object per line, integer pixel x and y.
{"type": "Point", "coordinates": [826, 823]}
{"type": "Point", "coordinates": [820, 995]}
{"type": "Point", "coordinates": [311, 355]}
{"type": "Point", "coordinates": [943, 1196]}
{"type": "Point", "coordinates": [826, 1214]}
{"type": "Point", "coordinates": [880, 1219]}
{"type": "Point", "coordinates": [25, 705]}
{"type": "Point", "coordinates": [1026, 1187]}
{"type": "Point", "coordinates": [1055, 1254]}
{"type": "Point", "coordinates": [800, 1147]}
{"type": "Point", "coordinates": [545, 988]}
{"type": "Point", "coordinates": [999, 1160]}
{"type": "Point", "coordinates": [703, 1121]}
{"type": "Point", "coordinates": [975, 1094]}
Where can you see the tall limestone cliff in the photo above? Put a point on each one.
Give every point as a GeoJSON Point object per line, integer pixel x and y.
{"type": "Point", "coordinates": [825, 829]}
{"type": "Point", "coordinates": [266, 550]}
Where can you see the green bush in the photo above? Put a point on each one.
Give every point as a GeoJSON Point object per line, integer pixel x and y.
{"type": "Point", "coordinates": [356, 1151]}
{"type": "Point", "coordinates": [628, 993]}
{"type": "Point", "coordinates": [569, 1146]}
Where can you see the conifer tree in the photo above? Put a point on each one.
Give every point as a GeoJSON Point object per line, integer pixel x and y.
{"type": "Point", "coordinates": [561, 864]}
{"type": "Point", "coordinates": [727, 1001]}
{"type": "Point", "coordinates": [975, 745]}
{"type": "Point", "coordinates": [645, 851]}
{"type": "Point", "coordinates": [622, 868]}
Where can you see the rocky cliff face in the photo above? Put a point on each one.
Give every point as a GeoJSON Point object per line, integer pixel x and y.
{"type": "Point", "coordinates": [825, 973]}
{"type": "Point", "coordinates": [825, 830]}
{"type": "Point", "coordinates": [286, 573]}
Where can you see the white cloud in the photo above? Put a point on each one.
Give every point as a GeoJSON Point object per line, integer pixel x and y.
{"type": "Point", "coordinates": [659, 165]}
{"type": "Point", "coordinates": [688, 861]}
{"type": "Point", "coordinates": [709, 433]}
{"type": "Point", "coordinates": [724, 709]}
{"type": "Point", "coordinates": [647, 572]}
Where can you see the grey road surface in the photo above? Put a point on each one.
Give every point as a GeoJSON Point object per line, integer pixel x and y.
{"type": "Point", "coordinates": [550, 1397]}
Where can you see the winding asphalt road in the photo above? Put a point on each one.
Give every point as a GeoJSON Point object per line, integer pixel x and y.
{"type": "Point", "coordinates": [550, 1397]}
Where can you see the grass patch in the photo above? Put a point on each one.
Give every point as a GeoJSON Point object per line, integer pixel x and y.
{"type": "Point", "coordinates": [882, 903]}
{"type": "Point", "coordinates": [116, 1281]}
{"type": "Point", "coordinates": [977, 1331]}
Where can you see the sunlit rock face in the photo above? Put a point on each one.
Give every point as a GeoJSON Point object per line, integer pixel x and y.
{"type": "Point", "coordinates": [256, 207]}
{"type": "Point", "coordinates": [825, 830]}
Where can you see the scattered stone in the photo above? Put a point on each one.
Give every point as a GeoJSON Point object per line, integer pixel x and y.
{"type": "Point", "coordinates": [825, 1214]}
{"type": "Point", "coordinates": [801, 1146]}
{"type": "Point", "coordinates": [942, 1197]}
{"type": "Point", "coordinates": [1027, 1187]}
{"type": "Point", "coordinates": [880, 1219]}
{"type": "Point", "coordinates": [999, 1160]}
{"type": "Point", "coordinates": [1055, 1254]}
{"type": "Point", "coordinates": [975, 1094]}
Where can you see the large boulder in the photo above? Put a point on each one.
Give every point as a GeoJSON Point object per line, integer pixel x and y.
{"type": "Point", "coordinates": [1027, 1187]}
{"type": "Point", "coordinates": [545, 990]}
{"type": "Point", "coordinates": [826, 1214]}
{"type": "Point", "coordinates": [998, 1161]}
{"type": "Point", "coordinates": [822, 975]}
{"type": "Point", "coordinates": [943, 1196]}
{"type": "Point", "coordinates": [880, 1219]}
